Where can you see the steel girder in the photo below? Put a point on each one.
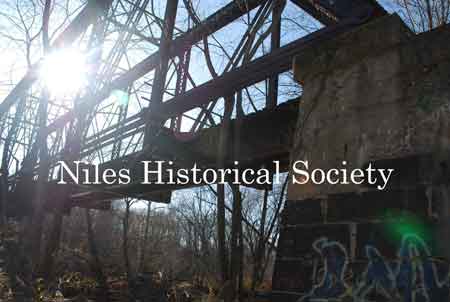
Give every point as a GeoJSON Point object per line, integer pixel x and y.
{"type": "Point", "coordinates": [332, 11]}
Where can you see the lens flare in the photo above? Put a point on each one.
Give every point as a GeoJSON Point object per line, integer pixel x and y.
{"type": "Point", "coordinates": [64, 72]}
{"type": "Point", "coordinates": [398, 224]}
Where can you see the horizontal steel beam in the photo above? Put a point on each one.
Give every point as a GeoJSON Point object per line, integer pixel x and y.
{"type": "Point", "coordinates": [330, 12]}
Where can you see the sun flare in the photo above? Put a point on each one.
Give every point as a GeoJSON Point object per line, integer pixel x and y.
{"type": "Point", "coordinates": [64, 72]}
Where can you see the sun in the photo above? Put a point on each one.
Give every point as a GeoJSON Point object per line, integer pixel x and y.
{"type": "Point", "coordinates": [64, 72]}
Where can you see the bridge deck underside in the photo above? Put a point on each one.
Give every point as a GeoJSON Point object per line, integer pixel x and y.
{"type": "Point", "coordinates": [265, 137]}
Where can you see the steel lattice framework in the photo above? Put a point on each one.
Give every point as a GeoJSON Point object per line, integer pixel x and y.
{"type": "Point", "coordinates": [143, 100]}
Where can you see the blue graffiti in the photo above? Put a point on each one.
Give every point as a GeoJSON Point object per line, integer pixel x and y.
{"type": "Point", "coordinates": [335, 261]}
{"type": "Point", "coordinates": [417, 273]}
{"type": "Point", "coordinates": [378, 277]}
{"type": "Point", "coordinates": [414, 276]}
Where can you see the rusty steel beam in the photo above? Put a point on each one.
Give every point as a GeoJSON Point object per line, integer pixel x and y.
{"type": "Point", "coordinates": [272, 89]}
{"type": "Point", "coordinates": [159, 81]}
{"type": "Point", "coordinates": [330, 12]}
{"type": "Point", "coordinates": [321, 16]}
{"type": "Point", "coordinates": [88, 15]}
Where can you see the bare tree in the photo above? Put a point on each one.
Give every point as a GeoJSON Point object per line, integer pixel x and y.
{"type": "Point", "coordinates": [145, 239]}
{"type": "Point", "coordinates": [97, 265]}
{"type": "Point", "coordinates": [29, 26]}
{"type": "Point", "coordinates": [424, 15]}
{"type": "Point", "coordinates": [125, 241]}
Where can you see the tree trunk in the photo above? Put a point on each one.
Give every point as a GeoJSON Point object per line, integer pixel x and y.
{"type": "Point", "coordinates": [96, 263]}
{"type": "Point", "coordinates": [45, 23]}
{"type": "Point", "coordinates": [37, 220]}
{"type": "Point", "coordinates": [52, 244]}
{"type": "Point", "coordinates": [236, 221]}
{"type": "Point", "coordinates": [258, 264]}
{"type": "Point", "coordinates": [125, 224]}
{"type": "Point", "coordinates": [145, 239]}
{"type": "Point", "coordinates": [236, 231]}
{"type": "Point", "coordinates": [224, 134]}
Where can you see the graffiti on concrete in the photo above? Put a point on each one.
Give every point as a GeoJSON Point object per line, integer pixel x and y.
{"type": "Point", "coordinates": [335, 261]}
{"type": "Point", "coordinates": [414, 276]}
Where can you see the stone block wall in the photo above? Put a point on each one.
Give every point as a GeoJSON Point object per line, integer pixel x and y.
{"type": "Point", "coordinates": [377, 94]}
{"type": "Point", "coordinates": [359, 246]}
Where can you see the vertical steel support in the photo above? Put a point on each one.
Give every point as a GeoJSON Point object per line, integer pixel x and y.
{"type": "Point", "coordinates": [180, 88]}
{"type": "Point", "coordinates": [159, 81]}
{"type": "Point", "coordinates": [272, 94]}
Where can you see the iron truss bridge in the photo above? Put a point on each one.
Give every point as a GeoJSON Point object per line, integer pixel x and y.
{"type": "Point", "coordinates": [146, 97]}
